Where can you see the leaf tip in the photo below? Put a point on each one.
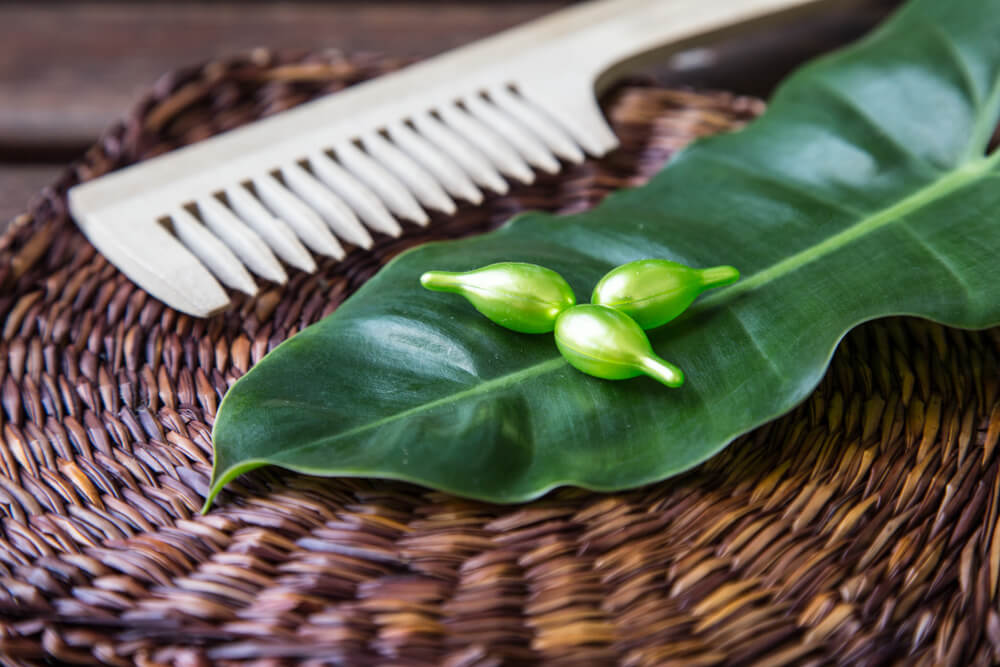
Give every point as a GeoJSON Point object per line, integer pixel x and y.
{"type": "Point", "coordinates": [216, 485]}
{"type": "Point", "coordinates": [221, 479]}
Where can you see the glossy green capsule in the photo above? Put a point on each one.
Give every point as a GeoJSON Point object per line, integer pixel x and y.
{"type": "Point", "coordinates": [606, 343]}
{"type": "Point", "coordinates": [524, 297]}
{"type": "Point", "coordinates": [654, 291]}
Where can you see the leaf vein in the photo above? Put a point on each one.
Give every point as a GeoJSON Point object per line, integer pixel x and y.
{"type": "Point", "coordinates": [985, 124]}
{"type": "Point", "coordinates": [955, 57]}
{"type": "Point", "coordinates": [487, 386]}
{"type": "Point", "coordinates": [757, 346]}
{"type": "Point", "coordinates": [861, 114]}
{"type": "Point", "coordinates": [943, 186]}
{"type": "Point", "coordinates": [759, 177]}
{"type": "Point", "coordinates": [939, 258]}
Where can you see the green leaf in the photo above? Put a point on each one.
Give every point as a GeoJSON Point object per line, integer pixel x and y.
{"type": "Point", "coordinates": [864, 191]}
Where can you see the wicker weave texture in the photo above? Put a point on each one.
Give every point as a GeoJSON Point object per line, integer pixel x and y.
{"type": "Point", "coordinates": [860, 529]}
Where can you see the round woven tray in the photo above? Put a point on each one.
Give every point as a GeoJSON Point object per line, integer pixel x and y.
{"type": "Point", "coordinates": [859, 529]}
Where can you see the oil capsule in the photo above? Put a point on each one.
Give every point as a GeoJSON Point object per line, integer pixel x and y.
{"type": "Point", "coordinates": [524, 297]}
{"type": "Point", "coordinates": [654, 291]}
{"type": "Point", "coordinates": [606, 343]}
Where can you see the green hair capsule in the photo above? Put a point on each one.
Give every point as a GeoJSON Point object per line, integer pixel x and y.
{"type": "Point", "coordinates": [524, 297]}
{"type": "Point", "coordinates": [654, 291]}
{"type": "Point", "coordinates": [606, 343]}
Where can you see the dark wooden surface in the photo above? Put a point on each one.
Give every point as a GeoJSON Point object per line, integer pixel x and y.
{"type": "Point", "coordinates": [67, 70]}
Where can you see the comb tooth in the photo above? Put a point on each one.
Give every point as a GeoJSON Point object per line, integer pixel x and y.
{"type": "Point", "coordinates": [532, 150]}
{"type": "Point", "coordinates": [306, 223]}
{"type": "Point", "coordinates": [275, 232]}
{"type": "Point", "coordinates": [156, 260]}
{"type": "Point", "coordinates": [337, 214]}
{"type": "Point", "coordinates": [420, 182]}
{"type": "Point", "coordinates": [361, 199]}
{"type": "Point", "coordinates": [546, 130]}
{"type": "Point", "coordinates": [385, 185]}
{"type": "Point", "coordinates": [243, 241]}
{"type": "Point", "coordinates": [437, 162]}
{"type": "Point", "coordinates": [212, 252]}
{"type": "Point", "coordinates": [486, 140]}
{"type": "Point", "coordinates": [478, 167]}
{"type": "Point", "coordinates": [576, 111]}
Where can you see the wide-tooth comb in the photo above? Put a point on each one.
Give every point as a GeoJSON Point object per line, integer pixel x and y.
{"type": "Point", "coordinates": [331, 172]}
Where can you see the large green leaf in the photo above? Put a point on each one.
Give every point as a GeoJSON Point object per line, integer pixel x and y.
{"type": "Point", "coordinates": [864, 191]}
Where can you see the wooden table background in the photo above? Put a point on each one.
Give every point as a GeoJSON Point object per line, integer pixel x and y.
{"type": "Point", "coordinates": [68, 69]}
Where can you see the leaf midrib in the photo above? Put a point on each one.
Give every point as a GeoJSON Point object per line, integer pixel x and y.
{"type": "Point", "coordinates": [948, 183]}
{"type": "Point", "coordinates": [489, 385]}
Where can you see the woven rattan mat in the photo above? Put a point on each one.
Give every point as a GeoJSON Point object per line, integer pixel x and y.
{"type": "Point", "coordinates": [859, 529]}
